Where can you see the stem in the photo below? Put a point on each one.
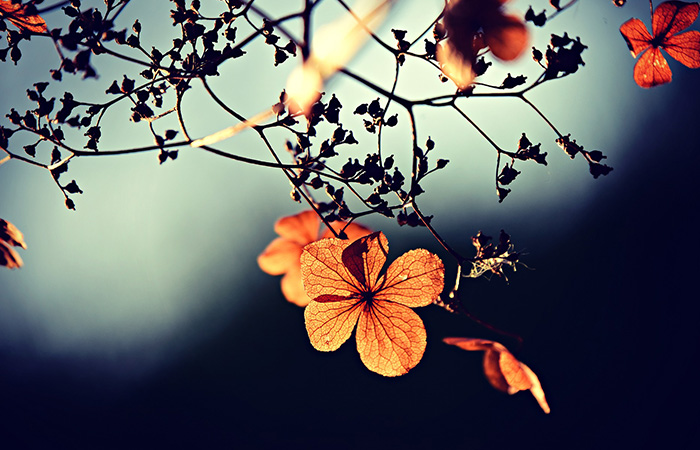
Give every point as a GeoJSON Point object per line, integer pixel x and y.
{"type": "Point", "coordinates": [400, 100]}
{"type": "Point", "coordinates": [437, 236]}
{"type": "Point", "coordinates": [532, 105]}
{"type": "Point", "coordinates": [492, 327]}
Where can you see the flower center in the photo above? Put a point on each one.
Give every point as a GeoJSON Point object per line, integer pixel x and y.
{"type": "Point", "coordinates": [367, 298]}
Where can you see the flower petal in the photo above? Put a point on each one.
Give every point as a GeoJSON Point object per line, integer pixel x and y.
{"type": "Point", "coordinates": [684, 48]}
{"type": "Point", "coordinates": [293, 289]}
{"type": "Point", "coordinates": [507, 38]}
{"type": "Point", "coordinates": [502, 369]}
{"type": "Point", "coordinates": [636, 35]}
{"type": "Point", "coordinates": [671, 17]}
{"type": "Point", "coordinates": [416, 278]}
{"type": "Point", "coordinates": [652, 69]}
{"type": "Point", "coordinates": [323, 272]}
{"type": "Point", "coordinates": [10, 234]}
{"type": "Point", "coordinates": [330, 324]}
{"type": "Point", "coordinates": [471, 343]}
{"type": "Point", "coordinates": [365, 258]}
{"type": "Point", "coordinates": [390, 338]}
{"type": "Point", "coordinates": [301, 228]}
{"type": "Point", "coordinates": [455, 64]}
{"type": "Point", "coordinates": [9, 257]}
{"type": "Point", "coordinates": [513, 372]}
{"type": "Point", "coordinates": [280, 256]}
{"type": "Point", "coordinates": [536, 388]}
{"type": "Point", "coordinates": [492, 370]}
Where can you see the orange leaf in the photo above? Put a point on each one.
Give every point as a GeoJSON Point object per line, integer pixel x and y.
{"type": "Point", "coordinates": [346, 290]}
{"type": "Point", "coordinates": [668, 19]}
{"type": "Point", "coordinates": [282, 255]}
{"type": "Point", "coordinates": [10, 234]}
{"type": "Point", "coordinates": [17, 15]}
{"type": "Point", "coordinates": [502, 369]}
{"type": "Point", "coordinates": [9, 257]}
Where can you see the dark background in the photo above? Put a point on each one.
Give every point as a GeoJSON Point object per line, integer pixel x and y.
{"type": "Point", "coordinates": [608, 315]}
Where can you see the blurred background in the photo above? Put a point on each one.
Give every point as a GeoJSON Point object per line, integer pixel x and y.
{"type": "Point", "coordinates": [142, 320]}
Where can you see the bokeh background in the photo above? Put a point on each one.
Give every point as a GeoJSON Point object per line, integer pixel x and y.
{"type": "Point", "coordinates": [142, 320]}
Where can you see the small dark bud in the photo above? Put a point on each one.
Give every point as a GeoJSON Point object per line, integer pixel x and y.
{"type": "Point", "coordinates": [361, 109]}
{"type": "Point", "coordinates": [72, 188]}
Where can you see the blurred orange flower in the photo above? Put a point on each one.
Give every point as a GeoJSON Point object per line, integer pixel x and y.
{"type": "Point", "coordinates": [475, 24]}
{"type": "Point", "coordinates": [343, 280]}
{"type": "Point", "coordinates": [502, 369]}
{"type": "Point", "coordinates": [283, 253]}
{"type": "Point", "coordinates": [9, 236]}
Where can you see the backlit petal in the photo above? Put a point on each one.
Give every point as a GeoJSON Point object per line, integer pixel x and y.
{"type": "Point", "coordinates": [536, 388]}
{"type": "Point", "coordinates": [492, 370]}
{"type": "Point", "coordinates": [507, 38]}
{"type": "Point", "coordinates": [502, 369]}
{"type": "Point", "coordinates": [293, 289]}
{"type": "Point", "coordinates": [10, 234]}
{"type": "Point", "coordinates": [390, 338]}
{"type": "Point", "coordinates": [471, 344]}
{"type": "Point", "coordinates": [9, 257]}
{"type": "Point", "coordinates": [684, 48]}
{"type": "Point", "coordinates": [301, 228]}
{"type": "Point", "coordinates": [672, 16]}
{"type": "Point", "coordinates": [330, 324]}
{"type": "Point", "coordinates": [323, 271]}
{"type": "Point", "coordinates": [455, 64]}
{"type": "Point", "coordinates": [280, 256]}
{"type": "Point", "coordinates": [365, 258]}
{"type": "Point", "coordinates": [416, 278]}
{"type": "Point", "coordinates": [636, 35]}
{"type": "Point", "coordinates": [652, 69]}
{"type": "Point", "coordinates": [513, 372]}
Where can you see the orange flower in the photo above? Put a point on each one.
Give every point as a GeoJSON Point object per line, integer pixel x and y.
{"type": "Point", "coordinates": [343, 280]}
{"type": "Point", "coordinates": [9, 236]}
{"type": "Point", "coordinates": [472, 25]}
{"type": "Point", "coordinates": [503, 371]}
{"type": "Point", "coordinates": [282, 255]}
{"type": "Point", "coordinates": [668, 19]}
{"type": "Point", "coordinates": [18, 15]}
